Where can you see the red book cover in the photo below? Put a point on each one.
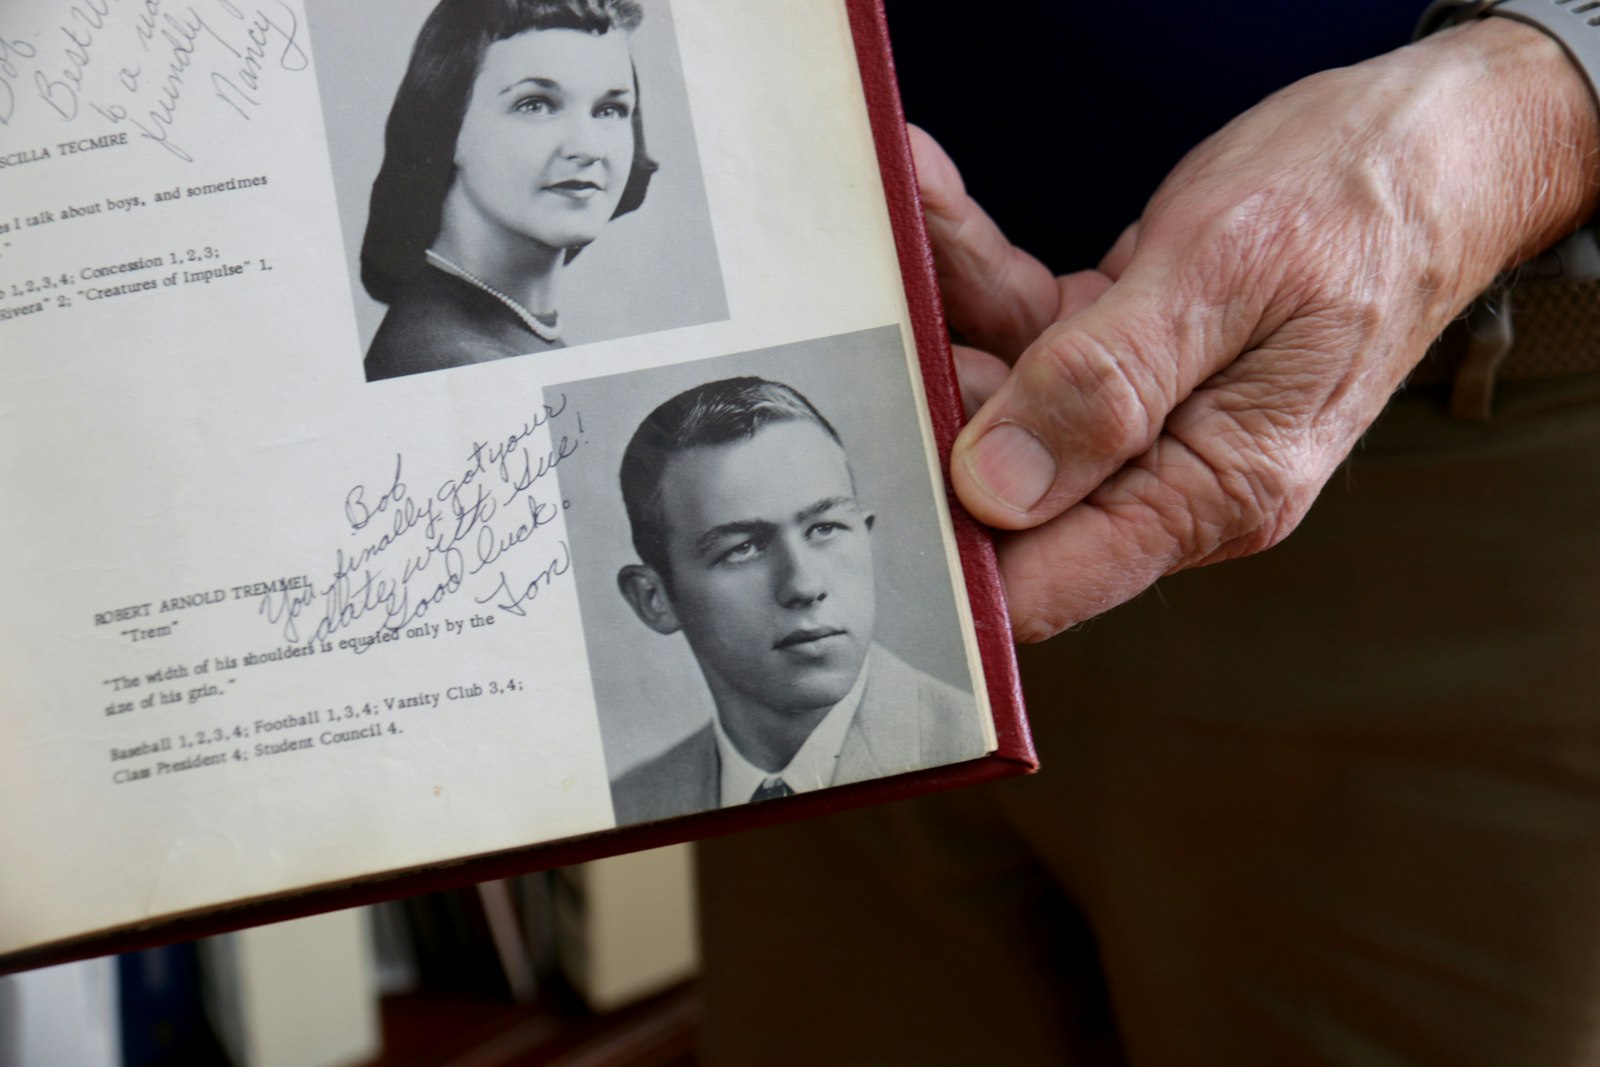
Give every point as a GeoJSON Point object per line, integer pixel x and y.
{"type": "Point", "coordinates": [470, 449]}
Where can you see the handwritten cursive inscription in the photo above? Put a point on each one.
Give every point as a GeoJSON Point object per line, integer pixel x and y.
{"type": "Point", "coordinates": [14, 55]}
{"type": "Point", "coordinates": [415, 551]}
{"type": "Point", "coordinates": [512, 600]}
{"type": "Point", "coordinates": [241, 87]}
{"type": "Point", "coordinates": [136, 64]}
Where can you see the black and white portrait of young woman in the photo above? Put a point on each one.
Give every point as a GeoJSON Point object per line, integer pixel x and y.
{"type": "Point", "coordinates": [530, 183]}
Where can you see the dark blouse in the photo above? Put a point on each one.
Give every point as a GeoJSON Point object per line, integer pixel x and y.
{"type": "Point", "coordinates": [437, 320]}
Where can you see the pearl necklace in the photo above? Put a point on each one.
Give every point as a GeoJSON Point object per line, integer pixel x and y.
{"type": "Point", "coordinates": [546, 331]}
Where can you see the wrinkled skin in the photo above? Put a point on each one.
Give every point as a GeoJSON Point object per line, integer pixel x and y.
{"type": "Point", "coordinates": [1185, 402]}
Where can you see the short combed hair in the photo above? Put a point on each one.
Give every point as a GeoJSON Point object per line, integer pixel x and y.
{"type": "Point", "coordinates": [715, 413]}
{"type": "Point", "coordinates": [425, 123]}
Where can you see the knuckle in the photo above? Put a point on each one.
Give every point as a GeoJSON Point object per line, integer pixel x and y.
{"type": "Point", "coordinates": [1032, 629]}
{"type": "Point", "coordinates": [1049, 592]}
{"type": "Point", "coordinates": [1033, 588]}
{"type": "Point", "coordinates": [1259, 491]}
{"type": "Point", "coordinates": [1207, 497]}
{"type": "Point", "coordinates": [1115, 404]}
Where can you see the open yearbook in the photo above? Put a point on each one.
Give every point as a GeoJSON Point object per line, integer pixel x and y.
{"type": "Point", "coordinates": [443, 438]}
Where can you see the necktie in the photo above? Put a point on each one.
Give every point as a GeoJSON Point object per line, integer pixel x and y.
{"type": "Point", "coordinates": [772, 787]}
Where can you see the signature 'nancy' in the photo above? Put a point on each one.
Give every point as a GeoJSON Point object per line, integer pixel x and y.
{"type": "Point", "coordinates": [139, 67]}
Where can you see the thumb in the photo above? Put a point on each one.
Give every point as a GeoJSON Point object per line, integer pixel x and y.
{"type": "Point", "coordinates": [1091, 393]}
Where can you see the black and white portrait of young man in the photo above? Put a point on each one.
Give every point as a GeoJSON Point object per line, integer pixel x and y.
{"type": "Point", "coordinates": [779, 618]}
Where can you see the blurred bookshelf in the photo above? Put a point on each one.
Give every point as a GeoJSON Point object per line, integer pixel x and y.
{"type": "Point", "coordinates": [590, 966]}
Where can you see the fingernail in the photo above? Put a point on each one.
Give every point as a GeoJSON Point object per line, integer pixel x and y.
{"type": "Point", "coordinates": [1013, 465]}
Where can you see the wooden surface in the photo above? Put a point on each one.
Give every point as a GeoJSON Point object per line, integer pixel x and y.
{"type": "Point", "coordinates": [440, 1029]}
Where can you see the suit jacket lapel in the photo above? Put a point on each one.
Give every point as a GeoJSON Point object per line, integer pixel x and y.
{"type": "Point", "coordinates": [878, 742]}
{"type": "Point", "coordinates": [708, 778]}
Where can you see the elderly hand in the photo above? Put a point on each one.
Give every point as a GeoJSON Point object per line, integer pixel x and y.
{"type": "Point", "coordinates": [1185, 403]}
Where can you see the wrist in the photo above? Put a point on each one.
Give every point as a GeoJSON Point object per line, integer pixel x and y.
{"type": "Point", "coordinates": [1523, 136]}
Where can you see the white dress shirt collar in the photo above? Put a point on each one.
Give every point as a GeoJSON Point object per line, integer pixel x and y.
{"type": "Point", "coordinates": [813, 764]}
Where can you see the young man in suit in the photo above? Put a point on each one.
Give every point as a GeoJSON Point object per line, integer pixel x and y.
{"type": "Point", "coordinates": [754, 546]}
